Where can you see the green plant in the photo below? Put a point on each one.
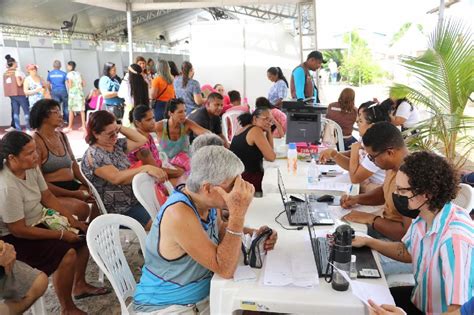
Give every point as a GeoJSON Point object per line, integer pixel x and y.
{"type": "Point", "coordinates": [445, 74]}
{"type": "Point", "coordinates": [359, 66]}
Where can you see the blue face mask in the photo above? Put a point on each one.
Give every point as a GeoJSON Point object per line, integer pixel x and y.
{"type": "Point", "coordinates": [401, 204]}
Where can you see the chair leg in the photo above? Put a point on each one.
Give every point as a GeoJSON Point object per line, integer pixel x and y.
{"type": "Point", "coordinates": [38, 308]}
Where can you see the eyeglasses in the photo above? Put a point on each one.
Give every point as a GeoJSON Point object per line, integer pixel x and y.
{"type": "Point", "coordinates": [112, 134]}
{"type": "Point", "coordinates": [398, 190]}
{"type": "Point", "coordinates": [56, 111]}
{"type": "Point", "coordinates": [373, 157]}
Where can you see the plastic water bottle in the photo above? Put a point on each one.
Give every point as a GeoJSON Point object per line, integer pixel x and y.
{"type": "Point", "coordinates": [292, 159]}
{"type": "Point", "coordinates": [353, 269]}
{"type": "Point", "coordinates": [313, 172]}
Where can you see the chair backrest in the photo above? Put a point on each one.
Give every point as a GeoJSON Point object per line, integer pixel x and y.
{"type": "Point", "coordinates": [143, 186]}
{"type": "Point", "coordinates": [338, 131]}
{"type": "Point", "coordinates": [230, 125]}
{"type": "Point", "coordinates": [465, 197]}
{"type": "Point", "coordinates": [95, 194]}
{"type": "Point", "coordinates": [103, 241]}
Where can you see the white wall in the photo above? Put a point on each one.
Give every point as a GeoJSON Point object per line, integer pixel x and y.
{"type": "Point", "coordinates": [238, 54]}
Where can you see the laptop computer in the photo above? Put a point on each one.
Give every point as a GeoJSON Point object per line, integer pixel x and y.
{"type": "Point", "coordinates": [296, 211]}
{"type": "Point", "coordinates": [365, 263]}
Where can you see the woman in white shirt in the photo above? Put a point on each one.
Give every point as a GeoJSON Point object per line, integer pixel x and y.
{"type": "Point", "coordinates": [361, 169]}
{"type": "Point", "coordinates": [405, 114]}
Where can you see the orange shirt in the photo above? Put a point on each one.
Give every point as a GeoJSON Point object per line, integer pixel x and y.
{"type": "Point", "coordinates": [164, 91]}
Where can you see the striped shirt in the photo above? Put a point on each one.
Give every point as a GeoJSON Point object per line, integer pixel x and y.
{"type": "Point", "coordinates": [443, 259]}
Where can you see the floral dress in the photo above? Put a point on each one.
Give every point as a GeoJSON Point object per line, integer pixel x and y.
{"type": "Point", "coordinates": [76, 101]}
{"type": "Point", "coordinates": [33, 85]}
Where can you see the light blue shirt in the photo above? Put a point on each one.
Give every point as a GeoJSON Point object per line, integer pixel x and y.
{"type": "Point", "coordinates": [278, 91]}
{"type": "Point", "coordinates": [299, 79]}
{"type": "Point", "coordinates": [187, 93]}
{"type": "Point", "coordinates": [106, 84]}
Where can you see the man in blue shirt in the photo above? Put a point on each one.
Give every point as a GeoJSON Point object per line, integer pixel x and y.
{"type": "Point", "coordinates": [57, 79]}
{"type": "Point", "coordinates": [302, 85]}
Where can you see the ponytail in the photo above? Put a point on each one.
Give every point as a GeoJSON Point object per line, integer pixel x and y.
{"type": "Point", "coordinates": [277, 71]}
{"type": "Point", "coordinates": [138, 113]}
{"type": "Point", "coordinates": [186, 68]}
{"type": "Point", "coordinates": [247, 118]}
{"type": "Point", "coordinates": [12, 143]}
{"type": "Point", "coordinates": [281, 76]}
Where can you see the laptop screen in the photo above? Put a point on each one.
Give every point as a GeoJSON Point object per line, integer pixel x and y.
{"type": "Point", "coordinates": [281, 187]}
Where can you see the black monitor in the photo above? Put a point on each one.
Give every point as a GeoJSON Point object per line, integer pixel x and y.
{"type": "Point", "coordinates": [303, 121]}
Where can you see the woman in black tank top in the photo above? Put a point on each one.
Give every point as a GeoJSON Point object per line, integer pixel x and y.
{"type": "Point", "coordinates": [253, 144]}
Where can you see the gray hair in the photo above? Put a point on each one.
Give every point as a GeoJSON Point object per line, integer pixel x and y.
{"type": "Point", "coordinates": [163, 70]}
{"type": "Point", "coordinates": [57, 64]}
{"type": "Point", "coordinates": [205, 140]}
{"type": "Point", "coordinates": [214, 165]}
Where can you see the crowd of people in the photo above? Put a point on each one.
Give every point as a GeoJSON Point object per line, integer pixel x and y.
{"type": "Point", "coordinates": [165, 124]}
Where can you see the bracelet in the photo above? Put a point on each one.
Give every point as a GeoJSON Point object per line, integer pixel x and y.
{"type": "Point", "coordinates": [239, 234]}
{"type": "Point", "coordinates": [62, 234]}
{"type": "Point", "coordinates": [373, 221]}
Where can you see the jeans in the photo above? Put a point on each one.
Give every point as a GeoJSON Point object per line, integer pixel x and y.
{"type": "Point", "coordinates": [159, 110]}
{"type": "Point", "coordinates": [62, 98]}
{"type": "Point", "coordinates": [139, 213]}
{"type": "Point", "coordinates": [117, 110]}
{"type": "Point", "coordinates": [17, 102]}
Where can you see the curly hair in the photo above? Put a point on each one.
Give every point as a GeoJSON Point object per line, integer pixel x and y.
{"type": "Point", "coordinates": [431, 174]}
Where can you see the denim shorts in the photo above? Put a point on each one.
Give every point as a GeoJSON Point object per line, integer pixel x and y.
{"type": "Point", "coordinates": [139, 213]}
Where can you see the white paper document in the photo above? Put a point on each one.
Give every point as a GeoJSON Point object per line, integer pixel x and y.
{"type": "Point", "coordinates": [331, 186]}
{"type": "Point", "coordinates": [364, 291]}
{"type": "Point", "coordinates": [244, 273]}
{"type": "Point", "coordinates": [295, 268]}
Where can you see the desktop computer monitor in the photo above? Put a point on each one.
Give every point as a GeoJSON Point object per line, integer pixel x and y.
{"type": "Point", "coordinates": [303, 122]}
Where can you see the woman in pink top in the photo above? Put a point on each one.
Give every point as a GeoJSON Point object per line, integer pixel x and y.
{"type": "Point", "coordinates": [279, 117]}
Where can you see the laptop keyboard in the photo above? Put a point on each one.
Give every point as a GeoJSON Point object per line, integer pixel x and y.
{"type": "Point", "coordinates": [298, 217]}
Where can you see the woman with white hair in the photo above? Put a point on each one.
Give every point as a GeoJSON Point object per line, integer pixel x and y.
{"type": "Point", "coordinates": [188, 242]}
{"type": "Point", "coordinates": [204, 140]}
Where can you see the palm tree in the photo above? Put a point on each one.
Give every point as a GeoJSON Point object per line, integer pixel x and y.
{"type": "Point", "coordinates": [445, 74]}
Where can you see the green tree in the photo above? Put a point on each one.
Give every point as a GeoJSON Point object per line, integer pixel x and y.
{"type": "Point", "coordinates": [445, 74]}
{"type": "Point", "coordinates": [359, 67]}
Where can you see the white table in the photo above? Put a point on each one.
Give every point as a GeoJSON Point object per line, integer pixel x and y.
{"type": "Point", "coordinates": [298, 183]}
{"type": "Point", "coordinates": [228, 296]}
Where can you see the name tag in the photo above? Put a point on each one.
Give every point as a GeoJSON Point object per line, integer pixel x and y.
{"type": "Point", "coordinates": [8, 81]}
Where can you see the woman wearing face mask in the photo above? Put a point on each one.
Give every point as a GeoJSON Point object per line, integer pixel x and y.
{"type": "Point", "coordinates": [361, 169]}
{"type": "Point", "coordinates": [439, 242]}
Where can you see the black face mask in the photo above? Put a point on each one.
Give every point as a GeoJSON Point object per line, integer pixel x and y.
{"type": "Point", "coordinates": [401, 204]}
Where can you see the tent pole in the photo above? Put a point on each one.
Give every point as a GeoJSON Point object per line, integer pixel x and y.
{"type": "Point", "coordinates": [129, 31]}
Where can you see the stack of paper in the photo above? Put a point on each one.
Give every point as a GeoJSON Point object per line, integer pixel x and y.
{"type": "Point", "coordinates": [297, 269]}
{"type": "Point", "coordinates": [331, 186]}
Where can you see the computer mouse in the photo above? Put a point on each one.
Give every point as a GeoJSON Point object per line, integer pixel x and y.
{"type": "Point", "coordinates": [325, 198]}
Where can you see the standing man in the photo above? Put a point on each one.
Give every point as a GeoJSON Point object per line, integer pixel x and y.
{"type": "Point", "coordinates": [209, 116]}
{"type": "Point", "coordinates": [302, 85]}
{"type": "Point", "coordinates": [57, 78]}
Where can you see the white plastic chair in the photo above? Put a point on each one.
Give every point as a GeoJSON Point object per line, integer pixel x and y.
{"type": "Point", "coordinates": [465, 197]}
{"type": "Point", "coordinates": [230, 125]}
{"type": "Point", "coordinates": [338, 130]}
{"type": "Point", "coordinates": [38, 308]}
{"type": "Point", "coordinates": [103, 240]}
{"type": "Point", "coordinates": [100, 101]}
{"type": "Point", "coordinates": [143, 186]}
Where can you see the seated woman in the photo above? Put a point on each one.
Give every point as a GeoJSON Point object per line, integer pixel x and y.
{"type": "Point", "coordinates": [279, 117]}
{"type": "Point", "coordinates": [58, 165]}
{"type": "Point", "coordinates": [23, 195]}
{"type": "Point", "coordinates": [253, 143]}
{"type": "Point", "coordinates": [344, 113]}
{"type": "Point", "coordinates": [21, 285]}
{"type": "Point", "coordinates": [439, 242]}
{"type": "Point", "coordinates": [142, 118]}
{"type": "Point", "coordinates": [361, 169]}
{"type": "Point", "coordinates": [173, 133]}
{"type": "Point", "coordinates": [188, 242]}
{"type": "Point", "coordinates": [106, 165]}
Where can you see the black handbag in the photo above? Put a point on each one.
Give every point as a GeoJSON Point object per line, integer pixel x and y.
{"type": "Point", "coordinates": [253, 256]}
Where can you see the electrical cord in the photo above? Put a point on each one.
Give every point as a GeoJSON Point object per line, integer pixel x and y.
{"type": "Point", "coordinates": [299, 228]}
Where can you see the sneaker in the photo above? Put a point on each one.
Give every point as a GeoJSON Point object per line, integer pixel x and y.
{"type": "Point", "coordinates": [10, 129]}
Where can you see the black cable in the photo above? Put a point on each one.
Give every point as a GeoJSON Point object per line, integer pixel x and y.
{"type": "Point", "coordinates": [299, 228]}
